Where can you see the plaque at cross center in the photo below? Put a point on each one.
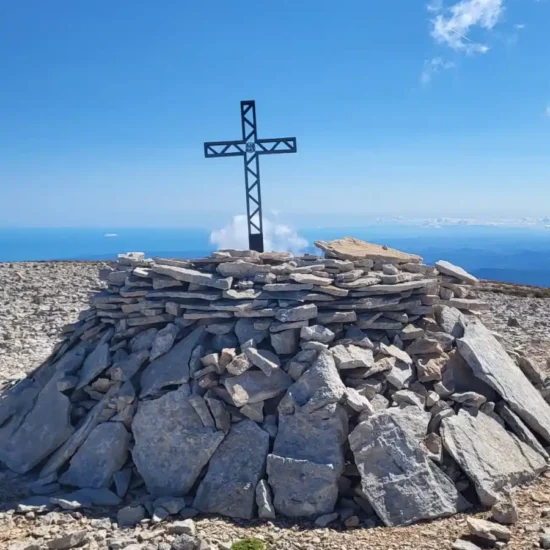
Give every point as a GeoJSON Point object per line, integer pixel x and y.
{"type": "Point", "coordinates": [250, 148]}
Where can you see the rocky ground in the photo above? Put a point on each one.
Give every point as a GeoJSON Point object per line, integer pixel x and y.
{"type": "Point", "coordinates": [37, 299]}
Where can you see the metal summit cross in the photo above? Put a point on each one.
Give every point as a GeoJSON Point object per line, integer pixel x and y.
{"type": "Point", "coordinates": [250, 147]}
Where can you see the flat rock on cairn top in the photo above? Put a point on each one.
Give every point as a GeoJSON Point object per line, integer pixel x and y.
{"type": "Point", "coordinates": [350, 248]}
{"type": "Point", "coordinates": [359, 385]}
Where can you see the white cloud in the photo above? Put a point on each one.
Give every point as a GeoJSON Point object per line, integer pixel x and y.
{"type": "Point", "coordinates": [519, 26]}
{"type": "Point", "coordinates": [433, 66]}
{"type": "Point", "coordinates": [547, 110]}
{"type": "Point", "coordinates": [277, 237]}
{"type": "Point", "coordinates": [452, 26]}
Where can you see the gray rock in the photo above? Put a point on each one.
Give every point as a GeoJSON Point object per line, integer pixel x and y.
{"type": "Point", "coordinates": [534, 372]}
{"type": "Point", "coordinates": [399, 480]}
{"type": "Point", "coordinates": [254, 411]}
{"type": "Point", "coordinates": [317, 333]}
{"type": "Point", "coordinates": [286, 342]}
{"type": "Point", "coordinates": [255, 386]}
{"type": "Point", "coordinates": [126, 368]}
{"type": "Point", "coordinates": [400, 375]}
{"type": "Point", "coordinates": [327, 317]}
{"type": "Point", "coordinates": [94, 364]}
{"type": "Point", "coordinates": [27, 440]}
{"type": "Point", "coordinates": [323, 521]}
{"type": "Point", "coordinates": [184, 542]}
{"type": "Point", "coordinates": [321, 377]}
{"type": "Point", "coordinates": [490, 363]}
{"type": "Point", "coordinates": [94, 497]}
{"type": "Point", "coordinates": [488, 530]}
{"type": "Point", "coordinates": [264, 501]}
{"type": "Point", "coordinates": [299, 313]}
{"type": "Point", "coordinates": [245, 331]}
{"type": "Point", "coordinates": [164, 340]}
{"type": "Point", "coordinates": [492, 458]}
{"type": "Point", "coordinates": [234, 472]}
{"type": "Point", "coordinates": [194, 276]}
{"type": "Point", "coordinates": [70, 540]}
{"type": "Point", "coordinates": [265, 360]}
{"type": "Point", "coordinates": [450, 320]}
{"type": "Point", "coordinates": [102, 454]}
{"type": "Point", "coordinates": [130, 516]}
{"type": "Point", "coordinates": [186, 526]}
{"type": "Point", "coordinates": [505, 511]}
{"type": "Point", "coordinates": [172, 445]}
{"type": "Point", "coordinates": [461, 544]}
{"type": "Point", "coordinates": [242, 269]}
{"type": "Point", "coordinates": [394, 351]}
{"type": "Point", "coordinates": [302, 488]}
{"type": "Point", "coordinates": [357, 402]}
{"type": "Point", "coordinates": [447, 268]}
{"type": "Point", "coordinates": [122, 481]}
{"type": "Point", "coordinates": [517, 427]}
{"type": "Point", "coordinates": [352, 357]}
{"type": "Point", "coordinates": [172, 367]}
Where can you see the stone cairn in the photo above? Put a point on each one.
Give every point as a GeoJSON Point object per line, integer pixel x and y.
{"type": "Point", "coordinates": [358, 387]}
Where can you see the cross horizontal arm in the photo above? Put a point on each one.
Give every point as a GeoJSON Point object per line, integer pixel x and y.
{"type": "Point", "coordinates": [224, 149]}
{"type": "Point", "coordinates": [276, 146]}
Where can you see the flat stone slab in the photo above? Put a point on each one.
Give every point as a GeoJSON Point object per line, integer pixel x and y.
{"type": "Point", "coordinates": [490, 362]}
{"type": "Point", "coordinates": [24, 442]}
{"type": "Point", "coordinates": [172, 445]}
{"type": "Point", "coordinates": [102, 455]}
{"type": "Point", "coordinates": [447, 268]}
{"type": "Point", "coordinates": [399, 480]}
{"type": "Point", "coordinates": [302, 488]}
{"type": "Point", "coordinates": [349, 248]}
{"type": "Point", "coordinates": [193, 276]}
{"type": "Point", "coordinates": [490, 456]}
{"type": "Point", "coordinates": [172, 367]}
{"type": "Point", "coordinates": [255, 386]}
{"type": "Point", "coordinates": [234, 471]}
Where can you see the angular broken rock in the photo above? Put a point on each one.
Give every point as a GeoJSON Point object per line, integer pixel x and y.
{"type": "Point", "coordinates": [26, 442]}
{"type": "Point", "coordinates": [399, 480]}
{"type": "Point", "coordinates": [164, 340]}
{"type": "Point", "coordinates": [229, 487]}
{"type": "Point", "coordinates": [490, 456]}
{"type": "Point", "coordinates": [172, 367]}
{"type": "Point", "coordinates": [302, 488]}
{"type": "Point", "coordinates": [102, 454]}
{"type": "Point", "coordinates": [255, 386]}
{"type": "Point", "coordinates": [298, 313]}
{"type": "Point", "coordinates": [317, 333]}
{"type": "Point", "coordinates": [264, 501]}
{"type": "Point", "coordinates": [193, 276]}
{"type": "Point", "coordinates": [94, 364]}
{"type": "Point", "coordinates": [352, 357]}
{"type": "Point", "coordinates": [490, 363]}
{"type": "Point", "coordinates": [265, 360]}
{"type": "Point", "coordinates": [285, 342]}
{"type": "Point", "coordinates": [172, 445]}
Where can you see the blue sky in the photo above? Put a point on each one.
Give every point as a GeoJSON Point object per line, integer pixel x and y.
{"type": "Point", "coordinates": [399, 108]}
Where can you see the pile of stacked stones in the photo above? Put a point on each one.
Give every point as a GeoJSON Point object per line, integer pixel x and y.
{"type": "Point", "coordinates": [357, 387]}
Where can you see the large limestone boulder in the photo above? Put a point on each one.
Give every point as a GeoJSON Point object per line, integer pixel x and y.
{"type": "Point", "coordinates": [172, 443]}
{"type": "Point", "coordinates": [490, 363]}
{"type": "Point", "coordinates": [401, 483]}
{"type": "Point", "coordinates": [491, 457]}
{"type": "Point", "coordinates": [27, 439]}
{"type": "Point", "coordinates": [237, 466]}
{"type": "Point", "coordinates": [102, 455]}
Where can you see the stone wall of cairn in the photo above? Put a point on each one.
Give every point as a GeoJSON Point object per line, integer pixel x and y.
{"type": "Point", "coordinates": [355, 387]}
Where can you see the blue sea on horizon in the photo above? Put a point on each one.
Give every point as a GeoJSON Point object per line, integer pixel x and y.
{"type": "Point", "coordinates": [520, 255]}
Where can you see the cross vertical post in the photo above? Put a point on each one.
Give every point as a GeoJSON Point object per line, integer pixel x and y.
{"type": "Point", "coordinates": [250, 147]}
